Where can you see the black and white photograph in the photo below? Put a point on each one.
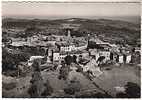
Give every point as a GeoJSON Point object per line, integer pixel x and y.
{"type": "Point", "coordinates": [71, 49]}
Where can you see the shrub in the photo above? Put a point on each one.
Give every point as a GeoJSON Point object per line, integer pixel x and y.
{"type": "Point", "coordinates": [132, 91]}
{"type": "Point", "coordinates": [73, 87]}
{"type": "Point", "coordinates": [9, 86]}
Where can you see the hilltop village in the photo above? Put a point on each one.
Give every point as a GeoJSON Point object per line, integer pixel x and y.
{"type": "Point", "coordinates": [56, 47]}
{"type": "Point", "coordinates": [69, 57]}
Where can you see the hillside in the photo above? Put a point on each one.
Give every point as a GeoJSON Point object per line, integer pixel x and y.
{"type": "Point", "coordinates": [110, 29]}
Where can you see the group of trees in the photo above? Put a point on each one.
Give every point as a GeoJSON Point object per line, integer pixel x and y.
{"type": "Point", "coordinates": [73, 87]}
{"type": "Point", "coordinates": [132, 91]}
{"type": "Point", "coordinates": [38, 88]}
{"type": "Point", "coordinates": [10, 60]}
{"type": "Point", "coordinates": [69, 59]}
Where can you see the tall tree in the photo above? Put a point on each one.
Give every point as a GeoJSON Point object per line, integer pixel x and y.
{"type": "Point", "coordinates": [68, 59]}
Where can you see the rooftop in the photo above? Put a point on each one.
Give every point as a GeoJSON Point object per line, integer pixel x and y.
{"type": "Point", "coordinates": [73, 52]}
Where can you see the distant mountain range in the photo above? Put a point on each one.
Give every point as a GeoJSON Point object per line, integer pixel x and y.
{"type": "Point", "coordinates": [115, 29]}
{"type": "Point", "coordinates": [133, 19]}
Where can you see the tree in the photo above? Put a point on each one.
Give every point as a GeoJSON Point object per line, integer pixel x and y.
{"type": "Point", "coordinates": [74, 58]}
{"type": "Point", "coordinates": [101, 58]}
{"type": "Point", "coordinates": [10, 60]}
{"type": "Point", "coordinates": [133, 50]}
{"type": "Point", "coordinates": [37, 85]}
{"type": "Point", "coordinates": [36, 65]}
{"type": "Point", "coordinates": [132, 91]}
{"type": "Point", "coordinates": [68, 59]}
{"type": "Point", "coordinates": [93, 94]}
{"type": "Point", "coordinates": [64, 71]}
{"type": "Point", "coordinates": [73, 86]}
{"type": "Point", "coordinates": [111, 56]}
{"type": "Point", "coordinates": [48, 89]}
{"type": "Point", "coordinates": [31, 31]}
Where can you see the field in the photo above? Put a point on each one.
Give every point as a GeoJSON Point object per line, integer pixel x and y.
{"type": "Point", "coordinates": [118, 76]}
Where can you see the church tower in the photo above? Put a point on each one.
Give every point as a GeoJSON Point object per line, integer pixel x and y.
{"type": "Point", "coordinates": [88, 38]}
{"type": "Point", "coordinates": [69, 38]}
{"type": "Point", "coordinates": [69, 33]}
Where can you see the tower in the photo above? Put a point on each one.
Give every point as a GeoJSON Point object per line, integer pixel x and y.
{"type": "Point", "coordinates": [69, 38]}
{"type": "Point", "coordinates": [69, 33]}
{"type": "Point", "coordinates": [88, 37]}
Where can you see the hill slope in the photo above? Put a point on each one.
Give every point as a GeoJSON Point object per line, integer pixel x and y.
{"type": "Point", "coordinates": [110, 29]}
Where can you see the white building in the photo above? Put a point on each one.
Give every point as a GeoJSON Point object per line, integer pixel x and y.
{"type": "Point", "coordinates": [56, 56]}
{"type": "Point", "coordinates": [51, 42]}
{"type": "Point", "coordinates": [120, 58]}
{"type": "Point", "coordinates": [83, 47]}
{"type": "Point", "coordinates": [32, 58]}
{"type": "Point", "coordinates": [33, 38]}
{"type": "Point", "coordinates": [106, 54]}
{"type": "Point", "coordinates": [128, 58]}
{"type": "Point", "coordinates": [67, 48]}
{"type": "Point", "coordinates": [90, 66]}
{"type": "Point", "coordinates": [98, 53]}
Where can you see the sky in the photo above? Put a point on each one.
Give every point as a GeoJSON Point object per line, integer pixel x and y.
{"type": "Point", "coordinates": [69, 9]}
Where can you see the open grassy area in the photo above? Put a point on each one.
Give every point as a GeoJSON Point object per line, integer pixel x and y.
{"type": "Point", "coordinates": [117, 76]}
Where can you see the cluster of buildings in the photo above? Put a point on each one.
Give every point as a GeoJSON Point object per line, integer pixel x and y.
{"type": "Point", "coordinates": [110, 52]}
{"type": "Point", "coordinates": [58, 47]}
{"type": "Point", "coordinates": [67, 47]}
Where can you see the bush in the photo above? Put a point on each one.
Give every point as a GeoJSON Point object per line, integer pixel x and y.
{"type": "Point", "coordinates": [73, 87]}
{"type": "Point", "coordinates": [132, 91]}
{"type": "Point", "coordinates": [68, 59]}
{"type": "Point", "coordinates": [48, 89]}
{"type": "Point", "coordinates": [33, 91]}
{"type": "Point", "coordinates": [8, 86]}
{"type": "Point", "coordinates": [91, 94]}
{"type": "Point", "coordinates": [10, 61]}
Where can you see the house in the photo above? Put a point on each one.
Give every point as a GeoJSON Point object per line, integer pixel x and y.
{"type": "Point", "coordinates": [59, 37]}
{"type": "Point", "coordinates": [120, 58]}
{"type": "Point", "coordinates": [90, 65]}
{"type": "Point", "coordinates": [32, 58]}
{"type": "Point", "coordinates": [93, 68]}
{"type": "Point", "coordinates": [17, 44]}
{"type": "Point", "coordinates": [84, 53]}
{"type": "Point", "coordinates": [99, 52]}
{"type": "Point", "coordinates": [128, 58]}
{"type": "Point", "coordinates": [105, 53]}
{"type": "Point", "coordinates": [56, 56]}
{"type": "Point", "coordinates": [81, 47]}
{"type": "Point", "coordinates": [51, 42]}
{"type": "Point", "coordinates": [33, 38]}
{"type": "Point", "coordinates": [48, 59]}
{"type": "Point", "coordinates": [137, 49]}
{"type": "Point", "coordinates": [94, 52]}
{"type": "Point", "coordinates": [66, 47]}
